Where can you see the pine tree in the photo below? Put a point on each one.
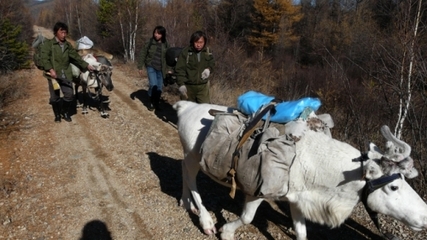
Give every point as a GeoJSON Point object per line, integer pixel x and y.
{"type": "Point", "coordinates": [13, 52]}
{"type": "Point", "coordinates": [106, 15]}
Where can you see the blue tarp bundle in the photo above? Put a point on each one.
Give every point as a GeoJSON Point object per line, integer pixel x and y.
{"type": "Point", "coordinates": [250, 102]}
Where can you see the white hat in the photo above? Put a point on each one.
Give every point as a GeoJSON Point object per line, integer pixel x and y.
{"type": "Point", "coordinates": [84, 43]}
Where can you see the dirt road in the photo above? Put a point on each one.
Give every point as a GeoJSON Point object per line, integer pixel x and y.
{"type": "Point", "coordinates": [118, 178]}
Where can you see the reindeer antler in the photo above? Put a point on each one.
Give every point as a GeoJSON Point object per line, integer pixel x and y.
{"type": "Point", "coordinates": [395, 159]}
{"type": "Point", "coordinates": [392, 152]}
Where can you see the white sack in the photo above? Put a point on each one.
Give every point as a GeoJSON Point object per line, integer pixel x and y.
{"type": "Point", "coordinates": [84, 43]}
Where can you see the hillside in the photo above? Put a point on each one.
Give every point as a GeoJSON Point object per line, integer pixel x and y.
{"type": "Point", "coordinates": [36, 6]}
{"type": "Point", "coordinates": [120, 177]}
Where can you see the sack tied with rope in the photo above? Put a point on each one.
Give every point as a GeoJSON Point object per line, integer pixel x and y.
{"type": "Point", "coordinates": [264, 154]}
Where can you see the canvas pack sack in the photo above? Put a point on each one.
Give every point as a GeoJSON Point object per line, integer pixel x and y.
{"type": "Point", "coordinates": [37, 46]}
{"type": "Point", "coordinates": [264, 159]}
{"type": "Point", "coordinates": [84, 43]}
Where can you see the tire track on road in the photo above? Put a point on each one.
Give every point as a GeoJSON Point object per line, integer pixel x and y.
{"type": "Point", "coordinates": [104, 190]}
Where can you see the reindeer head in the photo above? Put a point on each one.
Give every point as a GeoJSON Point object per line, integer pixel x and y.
{"type": "Point", "coordinates": [386, 190]}
{"type": "Point", "coordinates": [395, 158]}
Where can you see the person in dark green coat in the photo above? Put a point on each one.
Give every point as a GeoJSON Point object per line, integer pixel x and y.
{"type": "Point", "coordinates": [152, 57]}
{"type": "Point", "coordinates": [56, 56]}
{"type": "Point", "coordinates": [193, 69]}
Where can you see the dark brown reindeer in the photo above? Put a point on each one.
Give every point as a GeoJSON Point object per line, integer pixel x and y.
{"type": "Point", "coordinates": [95, 81]}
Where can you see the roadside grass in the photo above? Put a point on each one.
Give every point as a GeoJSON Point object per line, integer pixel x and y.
{"type": "Point", "coordinates": [13, 87]}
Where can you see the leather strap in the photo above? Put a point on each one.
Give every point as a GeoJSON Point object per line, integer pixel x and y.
{"type": "Point", "coordinates": [250, 128]}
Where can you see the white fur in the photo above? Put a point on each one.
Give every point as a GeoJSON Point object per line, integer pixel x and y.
{"type": "Point", "coordinates": [324, 186]}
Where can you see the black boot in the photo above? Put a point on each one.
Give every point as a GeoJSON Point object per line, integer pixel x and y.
{"type": "Point", "coordinates": [65, 111]}
{"type": "Point", "coordinates": [156, 100]}
{"type": "Point", "coordinates": [56, 107]}
{"type": "Point", "coordinates": [151, 107]}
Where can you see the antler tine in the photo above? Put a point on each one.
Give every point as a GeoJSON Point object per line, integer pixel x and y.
{"type": "Point", "coordinates": [406, 149]}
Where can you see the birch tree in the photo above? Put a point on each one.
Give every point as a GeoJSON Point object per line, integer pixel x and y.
{"type": "Point", "coordinates": [128, 19]}
{"type": "Point", "coordinates": [406, 77]}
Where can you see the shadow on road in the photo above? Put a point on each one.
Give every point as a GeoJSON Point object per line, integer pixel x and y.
{"type": "Point", "coordinates": [166, 114]}
{"type": "Point", "coordinates": [96, 229]}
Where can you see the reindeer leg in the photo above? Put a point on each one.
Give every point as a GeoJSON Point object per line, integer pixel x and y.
{"type": "Point", "coordinates": [76, 93]}
{"type": "Point", "coordinates": [249, 210]}
{"type": "Point", "coordinates": [190, 168]}
{"type": "Point", "coordinates": [299, 222]}
{"type": "Point", "coordinates": [85, 93]}
{"type": "Point", "coordinates": [104, 114]}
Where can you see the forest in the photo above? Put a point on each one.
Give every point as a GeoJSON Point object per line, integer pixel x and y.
{"type": "Point", "coordinates": [364, 59]}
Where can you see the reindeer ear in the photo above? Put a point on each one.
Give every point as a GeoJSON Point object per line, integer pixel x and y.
{"type": "Point", "coordinates": [406, 167]}
{"type": "Point", "coordinates": [372, 170]}
{"type": "Point", "coordinates": [327, 119]}
{"type": "Point", "coordinates": [374, 152]}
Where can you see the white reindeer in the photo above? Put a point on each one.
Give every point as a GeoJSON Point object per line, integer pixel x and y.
{"type": "Point", "coordinates": [325, 184]}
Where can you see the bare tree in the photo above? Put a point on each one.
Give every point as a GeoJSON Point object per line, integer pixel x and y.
{"type": "Point", "coordinates": [406, 76]}
{"type": "Point", "coordinates": [128, 18]}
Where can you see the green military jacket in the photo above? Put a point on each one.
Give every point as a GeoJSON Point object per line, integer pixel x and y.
{"type": "Point", "coordinates": [148, 52]}
{"type": "Point", "coordinates": [52, 56]}
{"type": "Point", "coordinates": [188, 68]}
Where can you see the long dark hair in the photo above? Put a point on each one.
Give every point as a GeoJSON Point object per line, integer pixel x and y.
{"type": "Point", "coordinates": [161, 30]}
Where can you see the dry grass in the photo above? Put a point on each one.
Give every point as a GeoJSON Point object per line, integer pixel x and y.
{"type": "Point", "coordinates": [13, 86]}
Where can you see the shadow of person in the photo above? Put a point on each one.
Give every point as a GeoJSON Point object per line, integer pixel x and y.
{"type": "Point", "coordinates": [166, 113]}
{"type": "Point", "coordinates": [142, 96]}
{"type": "Point", "coordinates": [95, 230]}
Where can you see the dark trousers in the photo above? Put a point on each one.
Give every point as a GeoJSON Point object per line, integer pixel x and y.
{"type": "Point", "coordinates": [67, 90]}
{"type": "Point", "coordinates": [198, 93]}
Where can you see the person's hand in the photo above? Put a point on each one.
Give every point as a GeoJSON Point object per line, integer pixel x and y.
{"type": "Point", "coordinates": [183, 90]}
{"type": "Point", "coordinates": [52, 73]}
{"type": "Point", "coordinates": [141, 72]}
{"type": "Point", "coordinates": [206, 73]}
{"type": "Point", "coordinates": [90, 68]}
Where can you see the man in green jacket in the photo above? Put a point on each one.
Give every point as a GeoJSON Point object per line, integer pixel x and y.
{"type": "Point", "coordinates": [193, 68]}
{"type": "Point", "coordinates": [56, 56]}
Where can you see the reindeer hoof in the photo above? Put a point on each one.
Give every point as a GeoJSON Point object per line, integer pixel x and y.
{"type": "Point", "coordinates": [105, 115]}
{"type": "Point", "coordinates": [84, 111]}
{"type": "Point", "coordinates": [210, 232]}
